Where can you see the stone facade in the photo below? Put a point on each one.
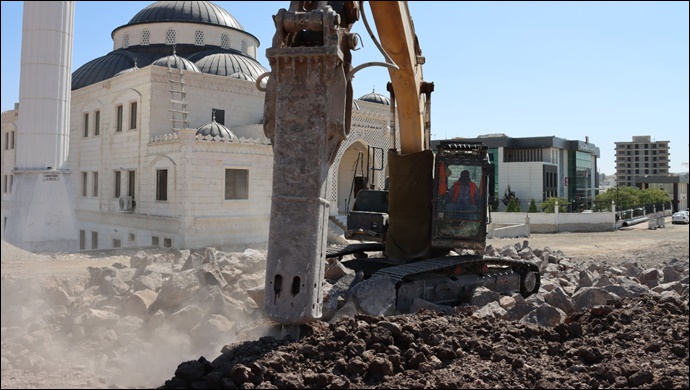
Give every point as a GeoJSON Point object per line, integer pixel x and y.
{"type": "Point", "coordinates": [195, 213]}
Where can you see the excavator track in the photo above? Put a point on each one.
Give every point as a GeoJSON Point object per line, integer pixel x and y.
{"type": "Point", "coordinates": [355, 249]}
{"type": "Point", "coordinates": [380, 267]}
{"type": "Point", "coordinates": [525, 269]}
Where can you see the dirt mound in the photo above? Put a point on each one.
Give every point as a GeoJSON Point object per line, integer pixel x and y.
{"type": "Point", "coordinates": [639, 342]}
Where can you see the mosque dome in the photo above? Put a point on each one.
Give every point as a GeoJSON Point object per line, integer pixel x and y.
{"type": "Point", "coordinates": [177, 62]}
{"type": "Point", "coordinates": [222, 61]}
{"type": "Point", "coordinates": [215, 129]}
{"type": "Point", "coordinates": [102, 68]}
{"type": "Point", "coordinates": [227, 64]}
{"type": "Point", "coordinates": [128, 70]}
{"type": "Point", "coordinates": [186, 12]}
{"type": "Point", "coordinates": [374, 97]}
{"type": "Point", "coordinates": [241, 76]}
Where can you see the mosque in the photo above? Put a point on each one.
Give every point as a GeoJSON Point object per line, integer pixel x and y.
{"type": "Point", "coordinates": [166, 142]}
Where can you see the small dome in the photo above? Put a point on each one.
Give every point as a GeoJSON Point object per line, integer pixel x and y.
{"type": "Point", "coordinates": [186, 11]}
{"type": "Point", "coordinates": [177, 62]}
{"type": "Point", "coordinates": [374, 97]}
{"type": "Point", "coordinates": [241, 76]}
{"type": "Point", "coordinates": [128, 70]}
{"type": "Point", "coordinates": [215, 129]}
{"type": "Point", "coordinates": [226, 64]}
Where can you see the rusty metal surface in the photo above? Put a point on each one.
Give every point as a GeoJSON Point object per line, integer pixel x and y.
{"type": "Point", "coordinates": [308, 101]}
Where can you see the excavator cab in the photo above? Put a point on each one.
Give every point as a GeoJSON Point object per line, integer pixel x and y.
{"type": "Point", "coordinates": [461, 196]}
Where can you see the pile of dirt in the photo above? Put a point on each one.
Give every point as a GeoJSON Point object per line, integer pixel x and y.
{"type": "Point", "coordinates": [639, 342]}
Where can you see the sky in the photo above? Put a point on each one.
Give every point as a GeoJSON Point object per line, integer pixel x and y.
{"type": "Point", "coordinates": [603, 71]}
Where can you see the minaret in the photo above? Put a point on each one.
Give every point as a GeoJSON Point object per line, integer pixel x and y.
{"type": "Point", "coordinates": [41, 214]}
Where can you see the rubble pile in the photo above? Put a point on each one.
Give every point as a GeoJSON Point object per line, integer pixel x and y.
{"type": "Point", "coordinates": [156, 310]}
{"type": "Point", "coordinates": [134, 323]}
{"type": "Point", "coordinates": [566, 287]}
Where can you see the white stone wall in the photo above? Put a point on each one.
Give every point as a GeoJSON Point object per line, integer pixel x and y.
{"type": "Point", "coordinates": [242, 102]}
{"type": "Point", "coordinates": [7, 158]}
{"type": "Point", "coordinates": [196, 175]}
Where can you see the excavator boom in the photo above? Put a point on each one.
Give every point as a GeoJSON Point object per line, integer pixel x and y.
{"type": "Point", "coordinates": [307, 112]}
{"type": "Point", "coordinates": [398, 39]}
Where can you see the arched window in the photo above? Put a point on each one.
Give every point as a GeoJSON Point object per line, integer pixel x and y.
{"type": "Point", "coordinates": [125, 41]}
{"type": "Point", "coordinates": [145, 37]}
{"type": "Point", "coordinates": [244, 47]}
{"type": "Point", "coordinates": [224, 41]}
{"type": "Point", "coordinates": [199, 38]}
{"type": "Point", "coordinates": [170, 38]}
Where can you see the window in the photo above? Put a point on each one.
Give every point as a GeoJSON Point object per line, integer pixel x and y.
{"type": "Point", "coordinates": [117, 243]}
{"type": "Point", "coordinates": [224, 41]}
{"type": "Point", "coordinates": [82, 239]}
{"type": "Point", "coordinates": [7, 183]}
{"type": "Point", "coordinates": [167, 242]}
{"type": "Point", "coordinates": [118, 119]}
{"type": "Point", "coordinates": [94, 240]}
{"type": "Point", "coordinates": [131, 182]}
{"type": "Point", "coordinates": [162, 184]}
{"type": "Point", "coordinates": [199, 38]}
{"type": "Point", "coordinates": [118, 178]}
{"type": "Point", "coordinates": [125, 41]}
{"type": "Point", "coordinates": [84, 183]}
{"type": "Point", "coordinates": [155, 241]}
{"type": "Point", "coordinates": [132, 237]}
{"type": "Point", "coordinates": [86, 125]}
{"type": "Point", "coordinates": [131, 176]}
{"type": "Point", "coordinates": [97, 123]}
{"type": "Point", "coordinates": [145, 38]}
{"type": "Point", "coordinates": [95, 184]}
{"type": "Point", "coordinates": [244, 47]}
{"type": "Point", "coordinates": [170, 37]}
{"type": "Point", "coordinates": [218, 115]}
{"type": "Point", "coordinates": [9, 140]}
{"type": "Point", "coordinates": [236, 184]}
{"type": "Point", "coordinates": [133, 116]}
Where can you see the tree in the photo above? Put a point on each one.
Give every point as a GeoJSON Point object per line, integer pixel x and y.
{"type": "Point", "coordinates": [508, 195]}
{"type": "Point", "coordinates": [549, 205]}
{"type": "Point", "coordinates": [624, 196]}
{"type": "Point", "coordinates": [532, 206]}
{"type": "Point", "coordinates": [513, 205]}
{"type": "Point", "coordinates": [650, 197]}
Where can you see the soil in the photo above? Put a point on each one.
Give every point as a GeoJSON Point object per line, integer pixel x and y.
{"type": "Point", "coordinates": [639, 342]}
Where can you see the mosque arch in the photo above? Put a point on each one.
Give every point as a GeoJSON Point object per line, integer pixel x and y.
{"type": "Point", "coordinates": [352, 164]}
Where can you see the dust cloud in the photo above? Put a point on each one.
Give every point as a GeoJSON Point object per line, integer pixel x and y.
{"type": "Point", "coordinates": [128, 324]}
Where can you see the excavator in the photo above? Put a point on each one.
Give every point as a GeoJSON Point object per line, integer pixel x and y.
{"type": "Point", "coordinates": [429, 247]}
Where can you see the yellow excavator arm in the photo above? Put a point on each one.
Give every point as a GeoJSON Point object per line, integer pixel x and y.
{"type": "Point", "coordinates": [399, 41]}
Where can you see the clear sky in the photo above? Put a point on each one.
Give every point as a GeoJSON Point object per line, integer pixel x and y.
{"type": "Point", "coordinates": [604, 70]}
